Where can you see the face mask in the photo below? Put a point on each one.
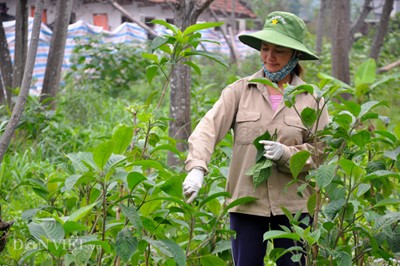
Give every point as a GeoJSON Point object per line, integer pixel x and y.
{"type": "Point", "coordinates": [279, 75]}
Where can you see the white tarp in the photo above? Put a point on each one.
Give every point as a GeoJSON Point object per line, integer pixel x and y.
{"type": "Point", "coordinates": [125, 33]}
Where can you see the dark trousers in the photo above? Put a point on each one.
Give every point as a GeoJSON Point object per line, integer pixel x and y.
{"type": "Point", "coordinates": [248, 247]}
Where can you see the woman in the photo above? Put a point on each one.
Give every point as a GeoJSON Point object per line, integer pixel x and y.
{"type": "Point", "coordinates": [251, 109]}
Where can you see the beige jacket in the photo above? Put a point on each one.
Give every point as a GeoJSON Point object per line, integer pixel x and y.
{"type": "Point", "coordinates": [245, 108]}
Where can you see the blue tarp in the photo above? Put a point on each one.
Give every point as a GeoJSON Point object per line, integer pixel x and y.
{"type": "Point", "coordinates": [126, 33]}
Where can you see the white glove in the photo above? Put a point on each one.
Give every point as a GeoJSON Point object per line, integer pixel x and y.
{"type": "Point", "coordinates": [192, 184]}
{"type": "Point", "coordinates": [273, 149]}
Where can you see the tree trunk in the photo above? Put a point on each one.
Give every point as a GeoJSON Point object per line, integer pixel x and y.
{"type": "Point", "coordinates": [382, 29]}
{"type": "Point", "coordinates": [26, 81]}
{"type": "Point", "coordinates": [56, 53]}
{"type": "Point", "coordinates": [186, 13]}
{"type": "Point", "coordinates": [340, 37]}
{"type": "Point", "coordinates": [5, 67]}
{"type": "Point", "coordinates": [21, 42]}
{"type": "Point", "coordinates": [320, 26]}
{"type": "Point", "coordinates": [360, 22]}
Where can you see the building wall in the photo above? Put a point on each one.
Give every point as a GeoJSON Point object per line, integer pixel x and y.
{"type": "Point", "coordinates": [85, 12]}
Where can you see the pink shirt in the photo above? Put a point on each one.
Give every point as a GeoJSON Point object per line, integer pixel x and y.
{"type": "Point", "coordinates": [275, 100]}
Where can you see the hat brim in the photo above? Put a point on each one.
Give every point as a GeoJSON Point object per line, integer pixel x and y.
{"type": "Point", "coordinates": [255, 40]}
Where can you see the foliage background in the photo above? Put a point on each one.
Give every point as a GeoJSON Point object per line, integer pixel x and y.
{"type": "Point", "coordinates": [97, 98]}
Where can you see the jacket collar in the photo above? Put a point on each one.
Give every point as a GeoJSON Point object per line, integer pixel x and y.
{"type": "Point", "coordinates": [296, 80]}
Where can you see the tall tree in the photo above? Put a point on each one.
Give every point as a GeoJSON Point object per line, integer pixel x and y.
{"type": "Point", "coordinates": [21, 42]}
{"type": "Point", "coordinates": [5, 68]}
{"type": "Point", "coordinates": [26, 81]}
{"type": "Point", "coordinates": [382, 29]}
{"type": "Point", "coordinates": [323, 9]}
{"type": "Point", "coordinates": [56, 53]}
{"type": "Point", "coordinates": [340, 39]}
{"type": "Point", "coordinates": [186, 13]}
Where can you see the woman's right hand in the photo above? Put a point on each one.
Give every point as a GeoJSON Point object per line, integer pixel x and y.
{"type": "Point", "coordinates": [193, 183]}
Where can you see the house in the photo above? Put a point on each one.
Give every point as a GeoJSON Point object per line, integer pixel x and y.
{"type": "Point", "coordinates": [95, 18]}
{"type": "Point", "coordinates": [101, 13]}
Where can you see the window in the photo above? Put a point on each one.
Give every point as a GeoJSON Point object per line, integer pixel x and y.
{"type": "Point", "coordinates": [101, 19]}
{"type": "Point", "coordinates": [44, 14]}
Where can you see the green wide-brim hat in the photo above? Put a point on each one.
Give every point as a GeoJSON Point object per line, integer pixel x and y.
{"type": "Point", "coordinates": [284, 29]}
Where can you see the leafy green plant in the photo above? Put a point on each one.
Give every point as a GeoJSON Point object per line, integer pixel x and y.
{"type": "Point", "coordinates": [177, 47]}
{"type": "Point", "coordinates": [81, 193]}
{"type": "Point", "coordinates": [119, 202]}
{"type": "Point", "coordinates": [355, 201]}
{"type": "Point", "coordinates": [261, 171]}
{"type": "Point", "coordinates": [109, 68]}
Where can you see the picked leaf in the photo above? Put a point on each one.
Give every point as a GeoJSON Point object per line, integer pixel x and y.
{"type": "Point", "coordinates": [262, 169]}
{"type": "Point", "coordinates": [260, 172]}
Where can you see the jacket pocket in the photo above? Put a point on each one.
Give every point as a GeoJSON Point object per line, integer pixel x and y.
{"type": "Point", "coordinates": [247, 127]}
{"type": "Point", "coordinates": [294, 130]}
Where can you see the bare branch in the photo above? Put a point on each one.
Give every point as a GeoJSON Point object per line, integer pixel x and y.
{"type": "Point", "coordinates": [26, 81]}
{"type": "Point", "coordinates": [149, 30]}
{"type": "Point", "coordinates": [389, 67]}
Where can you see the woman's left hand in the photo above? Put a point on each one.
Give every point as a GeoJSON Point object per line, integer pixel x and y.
{"type": "Point", "coordinates": [273, 149]}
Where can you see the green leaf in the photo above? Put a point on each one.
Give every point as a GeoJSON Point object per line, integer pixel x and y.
{"type": "Point", "coordinates": [214, 196]}
{"type": "Point", "coordinates": [166, 147]}
{"type": "Point", "coordinates": [81, 212]}
{"type": "Point", "coordinates": [324, 175]}
{"type": "Point", "coordinates": [58, 250]}
{"type": "Point", "coordinates": [80, 255]}
{"type": "Point", "coordinates": [380, 174]}
{"type": "Point", "coordinates": [222, 246]}
{"type": "Point", "coordinates": [361, 138]}
{"type": "Point", "coordinates": [368, 106]}
{"type": "Point", "coordinates": [362, 189]}
{"type": "Point", "coordinates": [146, 164]}
{"type": "Point", "coordinates": [386, 202]}
{"type": "Point", "coordinates": [133, 216]}
{"type": "Point", "coordinates": [49, 229]}
{"type": "Point", "coordinates": [71, 226]}
{"type": "Point", "coordinates": [114, 161]}
{"type": "Point", "coordinates": [343, 258]}
{"type": "Point", "coordinates": [211, 260]}
{"type": "Point", "coordinates": [273, 234]}
{"type": "Point", "coordinates": [155, 44]}
{"type": "Point", "coordinates": [334, 80]}
{"type": "Point", "coordinates": [259, 146]}
{"type": "Point", "coordinates": [297, 162]}
{"type": "Point", "coordinates": [173, 186]}
{"type": "Point", "coordinates": [311, 204]}
{"type": "Point", "coordinates": [151, 57]}
{"type": "Point", "coordinates": [122, 137]}
{"type": "Point", "coordinates": [350, 168]}
{"type": "Point", "coordinates": [151, 72]}
{"type": "Point", "coordinates": [237, 202]}
{"type": "Point", "coordinates": [170, 249]}
{"type": "Point", "coordinates": [194, 66]}
{"type": "Point", "coordinates": [125, 244]}
{"type": "Point", "coordinates": [334, 207]}
{"type": "Point", "coordinates": [366, 73]}
{"type": "Point", "coordinates": [264, 81]}
{"type": "Point", "coordinates": [353, 107]}
{"type": "Point", "coordinates": [104, 244]}
{"type": "Point", "coordinates": [260, 172]}
{"type": "Point", "coordinates": [134, 178]}
{"type": "Point", "coordinates": [102, 153]}
{"type": "Point", "coordinates": [172, 27]}
{"type": "Point", "coordinates": [201, 26]}
{"type": "Point", "coordinates": [77, 160]}
{"type": "Point", "coordinates": [215, 57]}
{"type": "Point", "coordinates": [309, 116]}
